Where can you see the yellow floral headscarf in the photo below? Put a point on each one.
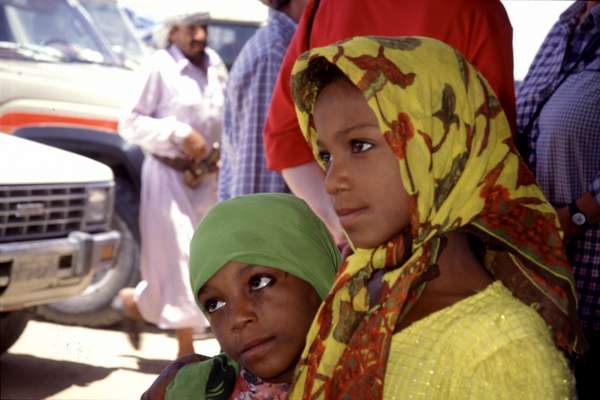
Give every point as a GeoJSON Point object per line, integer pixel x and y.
{"type": "Point", "coordinates": [458, 164]}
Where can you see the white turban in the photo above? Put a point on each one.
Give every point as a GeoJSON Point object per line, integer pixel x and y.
{"type": "Point", "coordinates": [160, 36]}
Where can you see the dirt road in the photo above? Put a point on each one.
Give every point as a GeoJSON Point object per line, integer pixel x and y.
{"type": "Point", "coordinates": [53, 361]}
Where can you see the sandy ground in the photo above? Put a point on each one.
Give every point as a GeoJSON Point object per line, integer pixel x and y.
{"type": "Point", "coordinates": [51, 361]}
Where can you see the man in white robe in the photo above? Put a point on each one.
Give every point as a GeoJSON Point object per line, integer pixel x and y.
{"type": "Point", "coordinates": [176, 117]}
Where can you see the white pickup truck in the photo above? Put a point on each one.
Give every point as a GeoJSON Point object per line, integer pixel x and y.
{"type": "Point", "coordinates": [55, 228]}
{"type": "Point", "coordinates": [62, 84]}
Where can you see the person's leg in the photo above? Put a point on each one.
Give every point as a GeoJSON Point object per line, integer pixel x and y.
{"type": "Point", "coordinates": [132, 318]}
{"type": "Point", "coordinates": [130, 307]}
{"type": "Point", "coordinates": [185, 341]}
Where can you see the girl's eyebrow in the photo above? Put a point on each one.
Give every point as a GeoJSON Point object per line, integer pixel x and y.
{"type": "Point", "coordinates": [241, 271]}
{"type": "Point", "coordinates": [345, 131]}
{"type": "Point", "coordinates": [246, 268]}
{"type": "Point", "coordinates": [351, 128]}
{"type": "Point", "coordinates": [203, 289]}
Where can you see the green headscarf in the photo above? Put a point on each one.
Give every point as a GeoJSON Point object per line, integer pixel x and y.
{"type": "Point", "coordinates": [274, 230]}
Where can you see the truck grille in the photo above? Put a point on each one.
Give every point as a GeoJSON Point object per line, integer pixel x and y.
{"type": "Point", "coordinates": [43, 211]}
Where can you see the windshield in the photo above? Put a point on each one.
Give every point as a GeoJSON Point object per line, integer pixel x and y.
{"type": "Point", "coordinates": [58, 24]}
{"type": "Point", "coordinates": [114, 24]}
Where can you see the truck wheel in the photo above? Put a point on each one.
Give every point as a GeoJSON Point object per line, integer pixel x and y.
{"type": "Point", "coordinates": [12, 325]}
{"type": "Point", "coordinates": [92, 307]}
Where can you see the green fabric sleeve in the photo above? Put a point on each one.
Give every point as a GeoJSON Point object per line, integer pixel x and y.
{"type": "Point", "coordinates": [213, 379]}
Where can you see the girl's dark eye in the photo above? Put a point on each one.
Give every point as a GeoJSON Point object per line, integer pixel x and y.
{"type": "Point", "coordinates": [325, 157]}
{"type": "Point", "coordinates": [212, 305]}
{"type": "Point", "coordinates": [258, 282]}
{"type": "Point", "coordinates": [360, 146]}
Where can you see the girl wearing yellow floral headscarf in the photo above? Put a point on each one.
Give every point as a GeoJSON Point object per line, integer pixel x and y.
{"type": "Point", "coordinates": [458, 282]}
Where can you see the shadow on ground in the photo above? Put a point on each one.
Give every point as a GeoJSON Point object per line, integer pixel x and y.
{"type": "Point", "coordinates": [117, 327]}
{"type": "Point", "coordinates": [24, 376]}
{"type": "Point", "coordinates": [146, 365]}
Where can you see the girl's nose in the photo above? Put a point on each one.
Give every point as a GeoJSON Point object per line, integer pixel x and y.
{"type": "Point", "coordinates": [243, 313]}
{"type": "Point", "coordinates": [336, 178]}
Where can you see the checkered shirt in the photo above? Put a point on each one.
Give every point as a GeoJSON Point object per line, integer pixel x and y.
{"type": "Point", "coordinates": [250, 85]}
{"type": "Point", "coordinates": [563, 145]}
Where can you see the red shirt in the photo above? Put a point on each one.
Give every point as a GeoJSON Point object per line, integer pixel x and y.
{"type": "Point", "coordinates": [479, 29]}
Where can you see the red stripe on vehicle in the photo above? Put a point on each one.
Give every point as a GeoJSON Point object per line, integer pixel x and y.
{"type": "Point", "coordinates": [10, 122]}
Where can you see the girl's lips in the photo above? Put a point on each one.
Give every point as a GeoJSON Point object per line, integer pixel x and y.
{"type": "Point", "coordinates": [256, 349]}
{"type": "Point", "coordinates": [348, 215]}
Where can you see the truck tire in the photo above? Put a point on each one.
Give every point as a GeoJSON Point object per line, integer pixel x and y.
{"type": "Point", "coordinates": [12, 325]}
{"type": "Point", "coordinates": [92, 307]}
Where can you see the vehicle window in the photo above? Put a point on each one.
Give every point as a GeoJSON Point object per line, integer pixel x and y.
{"type": "Point", "coordinates": [53, 23]}
{"type": "Point", "coordinates": [5, 34]}
{"type": "Point", "coordinates": [112, 23]}
{"type": "Point", "coordinates": [227, 39]}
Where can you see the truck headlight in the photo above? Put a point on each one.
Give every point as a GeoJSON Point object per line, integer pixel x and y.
{"type": "Point", "coordinates": [97, 205]}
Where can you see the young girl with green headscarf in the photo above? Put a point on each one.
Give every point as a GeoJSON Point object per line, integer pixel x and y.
{"type": "Point", "coordinates": [458, 283]}
{"type": "Point", "coordinates": [260, 266]}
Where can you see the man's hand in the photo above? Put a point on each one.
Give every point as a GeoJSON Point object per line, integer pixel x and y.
{"type": "Point", "coordinates": [194, 146]}
{"type": "Point", "coordinates": [158, 388]}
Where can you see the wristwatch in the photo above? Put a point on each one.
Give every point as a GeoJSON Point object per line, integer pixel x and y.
{"type": "Point", "coordinates": [577, 217]}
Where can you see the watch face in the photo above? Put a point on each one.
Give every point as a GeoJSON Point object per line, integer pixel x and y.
{"type": "Point", "coordinates": [578, 219]}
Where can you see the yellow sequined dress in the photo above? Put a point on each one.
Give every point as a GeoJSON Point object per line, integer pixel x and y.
{"type": "Point", "coordinates": [487, 346]}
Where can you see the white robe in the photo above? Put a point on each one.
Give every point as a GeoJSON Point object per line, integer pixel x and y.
{"type": "Point", "coordinates": [176, 96]}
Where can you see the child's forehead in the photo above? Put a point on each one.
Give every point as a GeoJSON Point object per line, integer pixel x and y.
{"type": "Point", "coordinates": [233, 272]}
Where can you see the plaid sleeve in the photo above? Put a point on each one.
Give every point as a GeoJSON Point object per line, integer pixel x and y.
{"type": "Point", "coordinates": [595, 188]}
{"type": "Point", "coordinates": [251, 174]}
{"type": "Point", "coordinates": [249, 91]}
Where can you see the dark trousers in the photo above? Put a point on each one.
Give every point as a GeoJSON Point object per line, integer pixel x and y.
{"type": "Point", "coordinates": [587, 369]}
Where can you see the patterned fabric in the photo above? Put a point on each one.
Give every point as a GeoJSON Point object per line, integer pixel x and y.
{"type": "Point", "coordinates": [554, 56]}
{"type": "Point", "coordinates": [564, 142]}
{"type": "Point", "coordinates": [584, 254]}
{"type": "Point", "coordinates": [247, 99]}
{"type": "Point", "coordinates": [461, 170]}
{"type": "Point", "coordinates": [251, 387]}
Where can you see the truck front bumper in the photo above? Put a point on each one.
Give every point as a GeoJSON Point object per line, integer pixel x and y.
{"type": "Point", "coordinates": [44, 271]}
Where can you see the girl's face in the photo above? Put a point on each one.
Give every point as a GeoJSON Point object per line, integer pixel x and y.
{"type": "Point", "coordinates": [260, 317]}
{"type": "Point", "coordinates": [362, 174]}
